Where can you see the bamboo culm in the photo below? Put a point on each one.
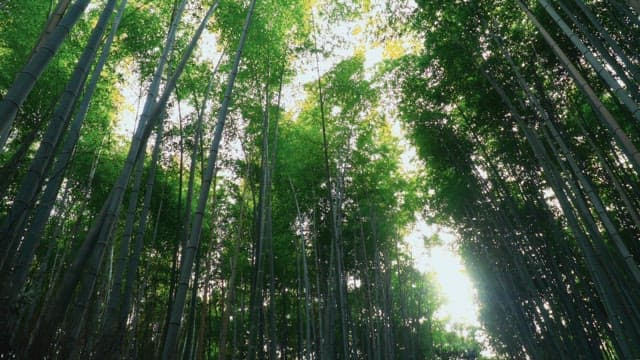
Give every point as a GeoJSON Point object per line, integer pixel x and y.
{"type": "Point", "coordinates": [30, 187]}
{"type": "Point", "coordinates": [170, 345]}
{"type": "Point", "coordinates": [31, 72]}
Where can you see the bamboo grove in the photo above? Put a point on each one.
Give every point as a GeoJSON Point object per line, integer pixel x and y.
{"type": "Point", "coordinates": [528, 123]}
{"type": "Point", "coordinates": [225, 226]}
{"type": "Point", "coordinates": [227, 223]}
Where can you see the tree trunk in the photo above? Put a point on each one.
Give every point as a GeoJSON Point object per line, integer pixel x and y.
{"type": "Point", "coordinates": [32, 71]}
{"type": "Point", "coordinates": [13, 226]}
{"type": "Point", "coordinates": [51, 24]}
{"type": "Point", "coordinates": [170, 345]}
{"type": "Point", "coordinates": [305, 276]}
{"type": "Point", "coordinates": [629, 205]}
{"type": "Point", "coordinates": [586, 184]}
{"type": "Point", "coordinates": [599, 109]}
{"type": "Point", "coordinates": [629, 65]}
{"type": "Point", "coordinates": [231, 287]}
{"type": "Point", "coordinates": [593, 262]}
{"type": "Point", "coordinates": [261, 243]}
{"type": "Point", "coordinates": [101, 229]}
{"type": "Point", "coordinates": [621, 93]}
{"type": "Point", "coordinates": [42, 212]}
{"type": "Point", "coordinates": [608, 60]}
{"type": "Point", "coordinates": [11, 168]}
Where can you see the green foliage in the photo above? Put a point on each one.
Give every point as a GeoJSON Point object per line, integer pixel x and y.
{"type": "Point", "coordinates": [482, 177]}
{"type": "Point", "coordinates": [389, 306]}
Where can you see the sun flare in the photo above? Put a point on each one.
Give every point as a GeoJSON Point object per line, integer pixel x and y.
{"type": "Point", "coordinates": [459, 300]}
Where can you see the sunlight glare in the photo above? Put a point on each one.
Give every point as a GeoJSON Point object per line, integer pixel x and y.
{"type": "Point", "coordinates": [456, 286]}
{"type": "Point", "coordinates": [459, 300]}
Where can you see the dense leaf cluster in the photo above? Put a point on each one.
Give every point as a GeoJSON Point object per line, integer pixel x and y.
{"type": "Point", "coordinates": [530, 152]}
